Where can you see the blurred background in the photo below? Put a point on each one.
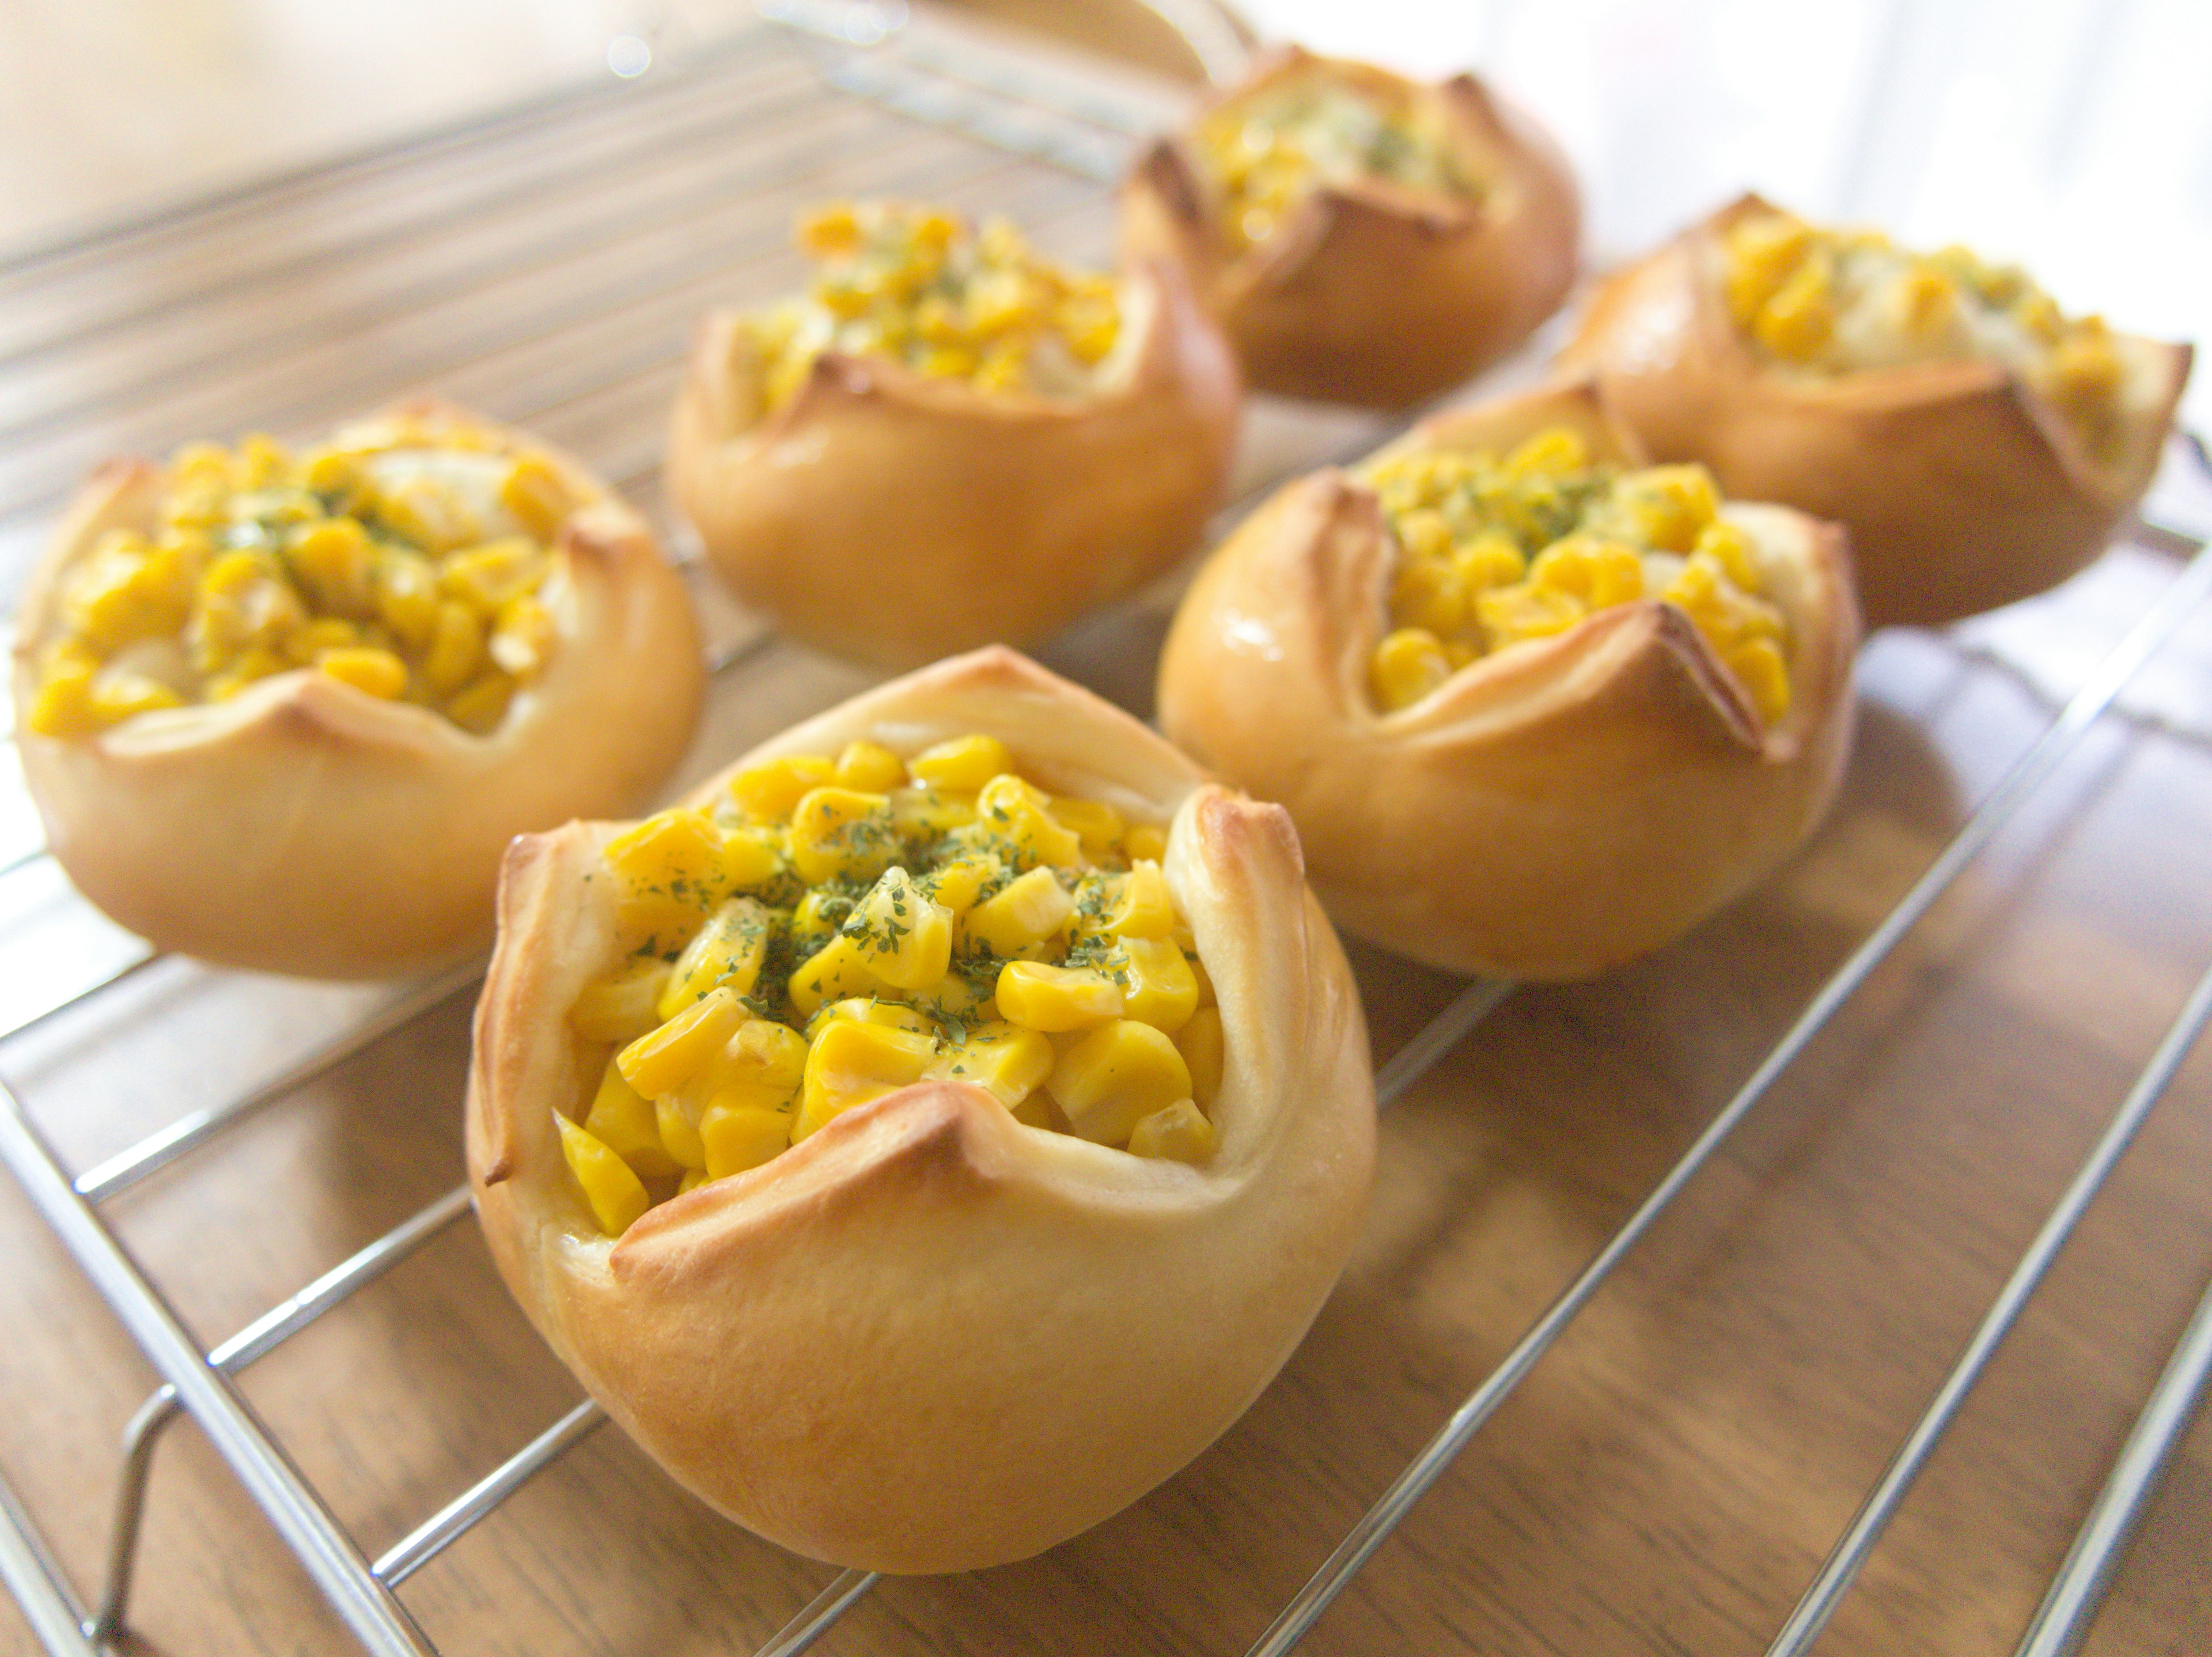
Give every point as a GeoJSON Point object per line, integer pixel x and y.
{"type": "Point", "coordinates": [2072, 135]}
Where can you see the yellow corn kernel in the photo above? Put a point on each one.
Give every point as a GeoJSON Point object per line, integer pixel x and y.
{"type": "Point", "coordinates": [488, 576]}
{"type": "Point", "coordinates": [333, 559]}
{"type": "Point", "coordinates": [662, 1060]}
{"type": "Point", "coordinates": [1670, 506]}
{"type": "Point", "coordinates": [1491, 559]}
{"type": "Point", "coordinates": [376, 672]}
{"type": "Point", "coordinates": [1144, 840]}
{"type": "Point", "coordinates": [456, 649]}
{"type": "Point", "coordinates": [1548, 453]}
{"type": "Point", "coordinates": [307, 643]}
{"type": "Point", "coordinates": [906, 938]}
{"type": "Point", "coordinates": [1161, 989]}
{"type": "Point", "coordinates": [728, 950]}
{"type": "Point", "coordinates": [1424, 535]}
{"type": "Point", "coordinates": [830, 230]}
{"type": "Point", "coordinates": [1055, 999]}
{"type": "Point", "coordinates": [956, 885]}
{"type": "Point", "coordinates": [736, 1137]}
{"type": "Point", "coordinates": [766, 1054]}
{"type": "Point", "coordinates": [678, 850]}
{"type": "Point", "coordinates": [1095, 823]}
{"type": "Point", "coordinates": [118, 594]}
{"type": "Point", "coordinates": [1408, 664]}
{"type": "Point", "coordinates": [1007, 1061]}
{"type": "Point", "coordinates": [1511, 614]}
{"type": "Point", "coordinates": [2084, 370]}
{"type": "Point", "coordinates": [1203, 1048]}
{"type": "Point", "coordinates": [869, 767]}
{"type": "Point", "coordinates": [870, 1009]}
{"type": "Point", "coordinates": [617, 1195]}
{"type": "Point", "coordinates": [920, 814]}
{"type": "Point", "coordinates": [1428, 593]}
{"type": "Point", "coordinates": [1028, 909]}
{"type": "Point", "coordinates": [1145, 908]}
{"type": "Point", "coordinates": [766, 793]}
{"type": "Point", "coordinates": [1599, 573]}
{"type": "Point", "coordinates": [1925, 300]}
{"type": "Point", "coordinates": [851, 1063]}
{"type": "Point", "coordinates": [247, 668]}
{"type": "Point", "coordinates": [1179, 1133]}
{"type": "Point", "coordinates": [693, 1179]}
{"type": "Point", "coordinates": [1015, 813]}
{"type": "Point", "coordinates": [1113, 1077]}
{"type": "Point", "coordinates": [523, 638]}
{"type": "Point", "coordinates": [536, 495]}
{"type": "Point", "coordinates": [62, 708]}
{"type": "Point", "coordinates": [478, 707]}
{"type": "Point", "coordinates": [841, 831]}
{"type": "Point", "coordinates": [1763, 252]}
{"type": "Point", "coordinates": [1758, 665]}
{"type": "Point", "coordinates": [839, 968]}
{"type": "Point", "coordinates": [424, 512]}
{"type": "Point", "coordinates": [261, 462]}
{"type": "Point", "coordinates": [820, 914]}
{"type": "Point", "coordinates": [622, 1008]}
{"type": "Point", "coordinates": [964, 763]}
{"type": "Point", "coordinates": [118, 696]}
{"type": "Point", "coordinates": [623, 1120]}
{"type": "Point", "coordinates": [750, 857]}
{"type": "Point", "coordinates": [1730, 547]}
{"type": "Point", "coordinates": [1795, 324]}
{"type": "Point", "coordinates": [676, 1119]}
{"type": "Point", "coordinates": [407, 596]}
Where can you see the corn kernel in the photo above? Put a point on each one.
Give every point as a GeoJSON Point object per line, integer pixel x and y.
{"type": "Point", "coordinates": [1797, 323]}
{"type": "Point", "coordinates": [1758, 664]}
{"type": "Point", "coordinates": [766, 793]}
{"type": "Point", "coordinates": [623, 1120]}
{"type": "Point", "coordinates": [1670, 506]}
{"type": "Point", "coordinates": [376, 672]}
{"type": "Point", "coordinates": [479, 706]}
{"type": "Point", "coordinates": [1055, 999]}
{"type": "Point", "coordinates": [675, 1117]}
{"type": "Point", "coordinates": [333, 559]}
{"type": "Point", "coordinates": [727, 950]}
{"type": "Point", "coordinates": [1730, 548]}
{"type": "Point", "coordinates": [964, 763]}
{"type": "Point", "coordinates": [922, 813]}
{"type": "Point", "coordinates": [851, 1063]}
{"type": "Point", "coordinates": [841, 831]}
{"type": "Point", "coordinates": [63, 706]}
{"type": "Point", "coordinates": [868, 1010]}
{"type": "Point", "coordinates": [487, 577]}
{"type": "Point", "coordinates": [616, 1195]}
{"type": "Point", "coordinates": [1179, 1133]}
{"type": "Point", "coordinates": [1509, 615]}
{"type": "Point", "coordinates": [456, 649]}
{"type": "Point", "coordinates": [956, 885]}
{"type": "Point", "coordinates": [1408, 665]}
{"type": "Point", "coordinates": [1547, 453]}
{"type": "Point", "coordinates": [1203, 1048]}
{"type": "Point", "coordinates": [1763, 252]}
{"type": "Point", "coordinates": [663, 1060]}
{"type": "Point", "coordinates": [523, 638]}
{"type": "Point", "coordinates": [1145, 908]}
{"type": "Point", "coordinates": [622, 1008]}
{"type": "Point", "coordinates": [1598, 572]}
{"type": "Point", "coordinates": [1161, 989]}
{"type": "Point", "coordinates": [736, 1138]}
{"type": "Point", "coordinates": [1143, 840]}
{"type": "Point", "coordinates": [869, 767]}
{"type": "Point", "coordinates": [1014, 814]}
{"type": "Point", "coordinates": [1030, 908]}
{"type": "Point", "coordinates": [839, 968]}
{"type": "Point", "coordinates": [537, 497]}
{"type": "Point", "coordinates": [1007, 1061]}
{"type": "Point", "coordinates": [117, 696]}
{"type": "Point", "coordinates": [1095, 823]}
{"type": "Point", "coordinates": [1113, 1077]}
{"type": "Point", "coordinates": [906, 938]}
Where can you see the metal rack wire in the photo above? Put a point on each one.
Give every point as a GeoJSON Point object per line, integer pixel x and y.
{"type": "Point", "coordinates": [998, 100]}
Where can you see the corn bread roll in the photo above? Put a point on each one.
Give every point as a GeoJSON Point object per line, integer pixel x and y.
{"type": "Point", "coordinates": [241, 755]}
{"type": "Point", "coordinates": [1565, 800]}
{"type": "Point", "coordinates": [892, 500]}
{"type": "Point", "coordinates": [1361, 237]}
{"type": "Point", "coordinates": [925, 1335]}
{"type": "Point", "coordinates": [1979, 445]}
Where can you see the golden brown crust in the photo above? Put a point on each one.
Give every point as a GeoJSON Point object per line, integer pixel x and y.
{"type": "Point", "coordinates": [893, 518]}
{"type": "Point", "coordinates": [1963, 489]}
{"type": "Point", "coordinates": [927, 1338]}
{"type": "Point", "coordinates": [305, 826]}
{"type": "Point", "coordinates": [1369, 293]}
{"type": "Point", "coordinates": [1549, 812]}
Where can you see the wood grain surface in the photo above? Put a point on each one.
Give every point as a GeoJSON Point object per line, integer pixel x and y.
{"type": "Point", "coordinates": [1668, 1480]}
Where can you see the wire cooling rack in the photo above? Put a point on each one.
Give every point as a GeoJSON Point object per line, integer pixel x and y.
{"type": "Point", "coordinates": [544, 264]}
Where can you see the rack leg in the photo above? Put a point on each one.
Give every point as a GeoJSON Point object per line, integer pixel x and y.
{"type": "Point", "coordinates": [139, 1438]}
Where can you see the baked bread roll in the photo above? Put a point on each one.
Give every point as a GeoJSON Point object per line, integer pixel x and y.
{"type": "Point", "coordinates": [1979, 445]}
{"type": "Point", "coordinates": [1363, 238]}
{"type": "Point", "coordinates": [286, 713]}
{"type": "Point", "coordinates": [981, 1153]}
{"type": "Point", "coordinates": [948, 441]}
{"type": "Point", "coordinates": [1535, 710]}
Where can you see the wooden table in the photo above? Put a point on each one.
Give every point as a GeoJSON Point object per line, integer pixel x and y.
{"type": "Point", "coordinates": [1668, 1478]}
